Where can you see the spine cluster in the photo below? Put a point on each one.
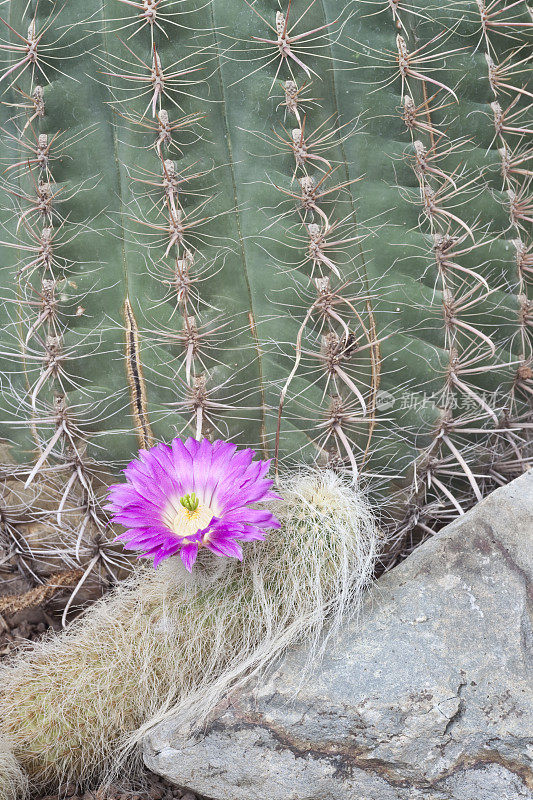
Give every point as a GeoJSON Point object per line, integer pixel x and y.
{"type": "Point", "coordinates": [58, 494]}
{"type": "Point", "coordinates": [335, 347]}
{"type": "Point", "coordinates": [168, 206]}
{"type": "Point", "coordinates": [509, 111]}
{"type": "Point", "coordinates": [454, 469]}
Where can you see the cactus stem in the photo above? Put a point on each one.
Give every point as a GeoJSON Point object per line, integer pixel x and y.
{"type": "Point", "coordinates": [166, 190]}
{"type": "Point", "coordinates": [431, 468]}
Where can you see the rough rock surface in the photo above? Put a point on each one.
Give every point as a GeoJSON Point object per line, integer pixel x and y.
{"type": "Point", "coordinates": [427, 698]}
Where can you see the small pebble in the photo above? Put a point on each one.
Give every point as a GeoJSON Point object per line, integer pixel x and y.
{"type": "Point", "coordinates": [156, 788]}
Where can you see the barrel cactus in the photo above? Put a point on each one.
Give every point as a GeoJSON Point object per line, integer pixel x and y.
{"type": "Point", "coordinates": [303, 227]}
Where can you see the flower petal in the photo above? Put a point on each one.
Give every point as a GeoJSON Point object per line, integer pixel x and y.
{"type": "Point", "coordinates": [188, 555]}
{"type": "Point", "coordinates": [225, 547]}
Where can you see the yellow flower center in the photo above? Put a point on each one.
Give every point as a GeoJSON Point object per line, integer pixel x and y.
{"type": "Point", "coordinates": [186, 521]}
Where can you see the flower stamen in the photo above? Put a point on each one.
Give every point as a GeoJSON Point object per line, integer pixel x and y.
{"type": "Point", "coordinates": [190, 501]}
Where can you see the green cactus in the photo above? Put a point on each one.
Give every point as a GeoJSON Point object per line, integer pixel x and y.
{"type": "Point", "coordinates": [302, 228]}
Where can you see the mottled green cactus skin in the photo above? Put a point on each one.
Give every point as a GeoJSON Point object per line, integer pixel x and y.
{"type": "Point", "coordinates": [425, 344]}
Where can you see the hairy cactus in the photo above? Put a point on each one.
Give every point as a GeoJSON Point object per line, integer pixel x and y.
{"type": "Point", "coordinates": [76, 706]}
{"type": "Point", "coordinates": [303, 228]}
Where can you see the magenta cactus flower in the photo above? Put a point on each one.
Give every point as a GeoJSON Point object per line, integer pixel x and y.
{"type": "Point", "coordinates": [192, 494]}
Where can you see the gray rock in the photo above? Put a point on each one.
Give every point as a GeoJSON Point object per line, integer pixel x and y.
{"type": "Point", "coordinates": [426, 698]}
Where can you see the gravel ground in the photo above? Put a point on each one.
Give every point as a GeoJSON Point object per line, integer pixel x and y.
{"type": "Point", "coordinates": [23, 630]}
{"type": "Point", "coordinates": [29, 626]}
{"type": "Point", "coordinates": [158, 789]}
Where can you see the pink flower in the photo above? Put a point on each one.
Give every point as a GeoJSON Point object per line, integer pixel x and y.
{"type": "Point", "coordinates": [191, 494]}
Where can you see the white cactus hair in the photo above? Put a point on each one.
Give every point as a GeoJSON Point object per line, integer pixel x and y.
{"type": "Point", "coordinates": [13, 781]}
{"type": "Point", "coordinates": [166, 642]}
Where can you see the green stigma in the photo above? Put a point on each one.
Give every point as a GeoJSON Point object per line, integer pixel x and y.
{"type": "Point", "coordinates": [190, 502]}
